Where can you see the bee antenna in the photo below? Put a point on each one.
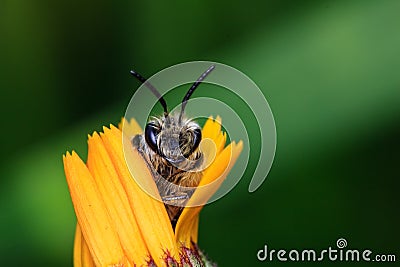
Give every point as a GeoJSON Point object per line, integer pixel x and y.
{"type": "Point", "coordinates": [152, 89]}
{"type": "Point", "coordinates": [193, 87]}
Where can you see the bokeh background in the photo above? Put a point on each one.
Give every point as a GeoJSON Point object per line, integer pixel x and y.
{"type": "Point", "coordinates": [329, 69]}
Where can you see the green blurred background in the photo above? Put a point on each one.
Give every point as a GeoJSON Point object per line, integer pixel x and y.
{"type": "Point", "coordinates": [329, 69]}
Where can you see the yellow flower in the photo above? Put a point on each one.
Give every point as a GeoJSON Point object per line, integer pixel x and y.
{"type": "Point", "coordinates": [121, 225]}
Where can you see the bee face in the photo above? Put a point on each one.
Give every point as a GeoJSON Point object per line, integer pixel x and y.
{"type": "Point", "coordinates": [173, 138]}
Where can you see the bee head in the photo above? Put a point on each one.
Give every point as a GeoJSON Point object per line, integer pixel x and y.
{"type": "Point", "coordinates": [173, 138]}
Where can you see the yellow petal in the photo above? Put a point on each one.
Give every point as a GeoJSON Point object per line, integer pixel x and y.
{"type": "Point", "coordinates": [82, 256]}
{"type": "Point", "coordinates": [130, 128]}
{"type": "Point", "coordinates": [116, 201]}
{"type": "Point", "coordinates": [194, 232]}
{"type": "Point", "coordinates": [92, 215]}
{"type": "Point", "coordinates": [78, 247]}
{"type": "Point", "coordinates": [211, 128]}
{"type": "Point", "coordinates": [150, 213]}
{"type": "Point", "coordinates": [186, 229]}
{"type": "Point", "coordinates": [213, 140]}
{"type": "Point", "coordinates": [87, 260]}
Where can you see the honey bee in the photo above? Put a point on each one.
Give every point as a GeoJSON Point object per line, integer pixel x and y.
{"type": "Point", "coordinates": [170, 147]}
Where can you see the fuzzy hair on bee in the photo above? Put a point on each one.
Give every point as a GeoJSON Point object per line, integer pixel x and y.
{"type": "Point", "coordinates": [170, 147]}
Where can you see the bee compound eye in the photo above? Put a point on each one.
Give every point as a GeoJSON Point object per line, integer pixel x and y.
{"type": "Point", "coordinates": [196, 139]}
{"type": "Point", "coordinates": [150, 134]}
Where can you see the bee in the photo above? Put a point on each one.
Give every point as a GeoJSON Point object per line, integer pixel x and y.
{"type": "Point", "coordinates": [170, 147]}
